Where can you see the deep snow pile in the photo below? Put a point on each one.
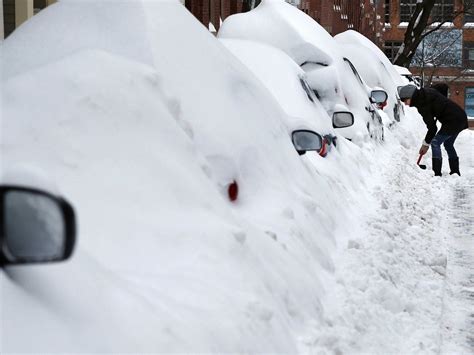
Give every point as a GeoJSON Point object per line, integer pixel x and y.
{"type": "Point", "coordinates": [389, 290]}
{"type": "Point", "coordinates": [144, 142]}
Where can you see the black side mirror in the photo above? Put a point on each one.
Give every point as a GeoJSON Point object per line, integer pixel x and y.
{"type": "Point", "coordinates": [35, 226]}
{"type": "Point", "coordinates": [306, 140]}
{"type": "Point", "coordinates": [342, 119]}
{"type": "Point", "coordinates": [378, 96]}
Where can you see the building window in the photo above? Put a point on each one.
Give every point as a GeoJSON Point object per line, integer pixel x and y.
{"type": "Point", "coordinates": [468, 54]}
{"type": "Point", "coordinates": [39, 5]}
{"type": "Point", "coordinates": [387, 11]}
{"type": "Point", "coordinates": [469, 18]}
{"type": "Point", "coordinates": [407, 8]}
{"type": "Point", "coordinates": [469, 101]}
{"type": "Point", "coordinates": [443, 11]}
{"type": "Point", "coordinates": [391, 49]}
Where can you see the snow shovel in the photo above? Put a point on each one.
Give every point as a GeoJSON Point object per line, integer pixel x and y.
{"type": "Point", "coordinates": [422, 166]}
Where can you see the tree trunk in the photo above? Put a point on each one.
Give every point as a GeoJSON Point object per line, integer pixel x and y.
{"type": "Point", "coordinates": [414, 33]}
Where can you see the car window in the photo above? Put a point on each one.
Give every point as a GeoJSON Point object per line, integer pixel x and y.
{"type": "Point", "coordinates": [354, 70]}
{"type": "Point", "coordinates": [307, 89]}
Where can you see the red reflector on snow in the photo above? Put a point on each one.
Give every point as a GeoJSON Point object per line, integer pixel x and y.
{"type": "Point", "coordinates": [233, 191]}
{"type": "Point", "coordinates": [324, 149]}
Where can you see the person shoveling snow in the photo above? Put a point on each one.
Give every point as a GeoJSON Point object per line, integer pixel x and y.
{"type": "Point", "coordinates": [432, 106]}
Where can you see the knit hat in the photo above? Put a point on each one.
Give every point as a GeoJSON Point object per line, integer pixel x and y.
{"type": "Point", "coordinates": [406, 92]}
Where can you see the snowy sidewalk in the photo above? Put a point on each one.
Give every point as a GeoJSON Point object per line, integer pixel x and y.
{"type": "Point", "coordinates": [405, 284]}
{"type": "Point", "coordinates": [458, 314]}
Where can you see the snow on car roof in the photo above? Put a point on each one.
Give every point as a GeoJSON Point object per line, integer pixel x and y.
{"type": "Point", "coordinates": [280, 24]}
{"type": "Point", "coordinates": [283, 77]}
{"type": "Point", "coordinates": [352, 37]}
{"type": "Point", "coordinates": [402, 70]}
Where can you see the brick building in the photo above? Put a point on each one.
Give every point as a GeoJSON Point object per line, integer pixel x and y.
{"type": "Point", "coordinates": [336, 16]}
{"type": "Point", "coordinates": [212, 12]}
{"type": "Point", "coordinates": [365, 16]}
{"type": "Point", "coordinates": [458, 73]}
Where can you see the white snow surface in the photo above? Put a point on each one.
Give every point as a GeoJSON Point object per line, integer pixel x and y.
{"type": "Point", "coordinates": [394, 289]}
{"type": "Point", "coordinates": [142, 136]}
{"type": "Point", "coordinates": [281, 75]}
{"type": "Point", "coordinates": [144, 143]}
{"type": "Point", "coordinates": [402, 70]}
{"type": "Point", "coordinates": [354, 37]}
{"type": "Point", "coordinates": [374, 72]}
{"type": "Point", "coordinates": [283, 26]}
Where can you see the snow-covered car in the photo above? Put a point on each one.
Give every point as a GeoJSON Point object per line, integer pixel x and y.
{"type": "Point", "coordinates": [408, 76]}
{"type": "Point", "coordinates": [35, 226]}
{"type": "Point", "coordinates": [375, 69]}
{"type": "Point", "coordinates": [287, 82]}
{"type": "Point", "coordinates": [377, 101]}
{"type": "Point", "coordinates": [148, 123]}
{"type": "Point", "coordinates": [283, 26]}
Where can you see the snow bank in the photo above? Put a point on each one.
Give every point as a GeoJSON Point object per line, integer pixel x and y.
{"type": "Point", "coordinates": [390, 282]}
{"type": "Point", "coordinates": [143, 137]}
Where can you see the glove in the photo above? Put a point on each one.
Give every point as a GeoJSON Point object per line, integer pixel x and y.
{"type": "Point", "coordinates": [424, 148]}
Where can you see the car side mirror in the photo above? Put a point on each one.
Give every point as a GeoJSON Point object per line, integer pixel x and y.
{"type": "Point", "coordinates": [342, 119]}
{"type": "Point", "coordinates": [35, 226]}
{"type": "Point", "coordinates": [378, 96]}
{"type": "Point", "coordinates": [306, 140]}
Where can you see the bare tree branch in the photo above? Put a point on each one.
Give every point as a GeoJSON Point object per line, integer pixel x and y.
{"type": "Point", "coordinates": [422, 24]}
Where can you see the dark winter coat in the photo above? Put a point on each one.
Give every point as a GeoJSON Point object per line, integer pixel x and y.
{"type": "Point", "coordinates": [442, 88]}
{"type": "Point", "coordinates": [434, 106]}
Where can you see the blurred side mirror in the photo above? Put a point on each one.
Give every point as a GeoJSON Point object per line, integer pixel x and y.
{"type": "Point", "coordinates": [342, 119]}
{"type": "Point", "coordinates": [378, 96]}
{"type": "Point", "coordinates": [305, 140]}
{"type": "Point", "coordinates": [35, 226]}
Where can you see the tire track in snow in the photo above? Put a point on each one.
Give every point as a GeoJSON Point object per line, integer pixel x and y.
{"type": "Point", "coordinates": [458, 313]}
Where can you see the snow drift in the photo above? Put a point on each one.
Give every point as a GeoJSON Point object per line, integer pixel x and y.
{"type": "Point", "coordinates": [143, 136]}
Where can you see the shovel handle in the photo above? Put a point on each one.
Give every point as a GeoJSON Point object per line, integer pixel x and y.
{"type": "Point", "coordinates": [419, 159]}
